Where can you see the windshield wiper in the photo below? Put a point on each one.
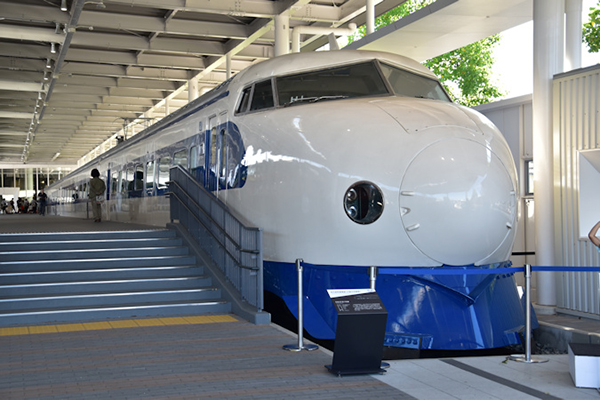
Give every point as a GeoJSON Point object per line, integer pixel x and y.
{"type": "Point", "coordinates": [314, 99]}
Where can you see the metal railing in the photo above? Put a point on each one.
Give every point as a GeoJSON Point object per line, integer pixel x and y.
{"type": "Point", "coordinates": [234, 248]}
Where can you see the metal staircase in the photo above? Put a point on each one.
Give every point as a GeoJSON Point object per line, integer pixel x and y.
{"type": "Point", "coordinates": [60, 277]}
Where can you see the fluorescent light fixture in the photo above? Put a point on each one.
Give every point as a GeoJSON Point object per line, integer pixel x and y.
{"type": "Point", "coordinates": [63, 5]}
{"type": "Point", "coordinates": [48, 63]}
{"type": "Point", "coordinates": [52, 48]}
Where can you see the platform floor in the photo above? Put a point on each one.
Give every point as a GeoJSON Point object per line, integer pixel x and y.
{"type": "Point", "coordinates": [225, 357]}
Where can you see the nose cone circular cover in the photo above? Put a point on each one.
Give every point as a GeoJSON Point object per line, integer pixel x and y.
{"type": "Point", "coordinates": [458, 202]}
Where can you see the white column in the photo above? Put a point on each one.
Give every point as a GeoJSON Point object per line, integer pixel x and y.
{"type": "Point", "coordinates": [228, 65]}
{"type": "Point", "coordinates": [167, 106]}
{"type": "Point", "coordinates": [548, 56]}
{"type": "Point", "coordinates": [29, 180]}
{"type": "Point", "coordinates": [573, 34]}
{"type": "Point", "coordinates": [192, 90]}
{"type": "Point", "coordinates": [370, 16]}
{"type": "Point", "coordinates": [282, 34]}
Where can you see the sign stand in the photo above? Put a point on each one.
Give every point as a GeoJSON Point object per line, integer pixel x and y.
{"type": "Point", "coordinates": [360, 332]}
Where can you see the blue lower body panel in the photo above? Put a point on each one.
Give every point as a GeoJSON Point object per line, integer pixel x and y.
{"type": "Point", "coordinates": [441, 312]}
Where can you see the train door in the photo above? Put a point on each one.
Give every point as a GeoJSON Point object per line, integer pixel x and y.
{"type": "Point", "coordinates": [217, 172]}
{"type": "Point", "coordinates": [197, 153]}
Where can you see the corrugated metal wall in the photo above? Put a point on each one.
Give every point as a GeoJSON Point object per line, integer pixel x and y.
{"type": "Point", "coordinates": [577, 187]}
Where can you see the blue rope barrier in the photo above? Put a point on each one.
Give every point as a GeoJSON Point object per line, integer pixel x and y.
{"type": "Point", "coordinates": [446, 271]}
{"type": "Point", "coordinates": [475, 271]}
{"type": "Point", "coordinates": [567, 269]}
{"type": "Point", "coordinates": [469, 270]}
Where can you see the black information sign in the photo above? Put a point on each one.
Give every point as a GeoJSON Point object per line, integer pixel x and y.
{"type": "Point", "coordinates": [360, 332]}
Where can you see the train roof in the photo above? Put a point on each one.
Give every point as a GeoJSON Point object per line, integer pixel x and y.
{"type": "Point", "coordinates": [310, 61]}
{"type": "Point", "coordinates": [278, 66]}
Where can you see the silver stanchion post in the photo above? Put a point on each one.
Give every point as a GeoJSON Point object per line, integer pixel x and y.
{"type": "Point", "coordinates": [527, 358]}
{"type": "Point", "coordinates": [373, 281]}
{"type": "Point", "coordinates": [372, 276]}
{"type": "Point", "coordinates": [300, 346]}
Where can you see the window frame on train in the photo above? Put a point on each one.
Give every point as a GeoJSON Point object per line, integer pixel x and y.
{"type": "Point", "coordinates": [150, 178]}
{"type": "Point", "coordinates": [177, 158]}
{"type": "Point", "coordinates": [161, 175]}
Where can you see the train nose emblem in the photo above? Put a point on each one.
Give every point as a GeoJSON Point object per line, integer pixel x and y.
{"type": "Point", "coordinates": [459, 192]}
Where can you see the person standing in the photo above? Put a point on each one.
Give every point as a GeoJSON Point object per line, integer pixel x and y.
{"type": "Point", "coordinates": [96, 194]}
{"type": "Point", "coordinates": [42, 198]}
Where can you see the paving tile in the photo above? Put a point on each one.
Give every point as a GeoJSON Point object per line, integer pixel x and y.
{"type": "Point", "coordinates": [231, 359]}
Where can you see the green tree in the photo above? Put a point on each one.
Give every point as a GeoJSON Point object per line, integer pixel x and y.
{"type": "Point", "coordinates": [465, 72]}
{"type": "Point", "coordinates": [591, 30]}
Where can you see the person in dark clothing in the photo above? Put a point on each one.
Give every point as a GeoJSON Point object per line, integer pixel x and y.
{"type": "Point", "coordinates": [42, 198]}
{"type": "Point", "coordinates": [96, 194]}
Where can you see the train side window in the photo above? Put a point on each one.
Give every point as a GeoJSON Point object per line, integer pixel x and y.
{"type": "Point", "coordinates": [123, 182]}
{"type": "Point", "coordinates": [244, 100]}
{"type": "Point", "coordinates": [114, 180]}
{"type": "Point", "coordinates": [223, 158]}
{"type": "Point", "coordinates": [163, 172]}
{"type": "Point", "coordinates": [213, 146]}
{"type": "Point", "coordinates": [150, 175]}
{"type": "Point", "coordinates": [201, 155]}
{"type": "Point", "coordinates": [129, 179]}
{"type": "Point", "coordinates": [139, 177]}
{"type": "Point", "coordinates": [194, 158]}
{"type": "Point", "coordinates": [263, 96]}
{"type": "Point", "coordinates": [181, 158]}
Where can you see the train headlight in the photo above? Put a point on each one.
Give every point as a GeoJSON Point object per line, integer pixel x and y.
{"type": "Point", "coordinates": [363, 202]}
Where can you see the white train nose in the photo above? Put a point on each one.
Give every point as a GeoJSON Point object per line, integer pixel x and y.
{"type": "Point", "coordinates": [458, 203]}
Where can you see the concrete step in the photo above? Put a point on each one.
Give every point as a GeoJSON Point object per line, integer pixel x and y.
{"type": "Point", "coordinates": [107, 285]}
{"type": "Point", "coordinates": [61, 277]}
{"type": "Point", "coordinates": [169, 271]}
{"type": "Point", "coordinates": [71, 254]}
{"type": "Point", "coordinates": [109, 312]}
{"type": "Point", "coordinates": [95, 235]}
{"type": "Point", "coordinates": [88, 244]}
{"type": "Point", "coordinates": [94, 263]}
{"type": "Point", "coordinates": [95, 299]}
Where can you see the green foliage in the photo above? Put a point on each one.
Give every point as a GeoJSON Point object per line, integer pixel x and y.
{"type": "Point", "coordinates": [591, 30]}
{"type": "Point", "coordinates": [465, 72]}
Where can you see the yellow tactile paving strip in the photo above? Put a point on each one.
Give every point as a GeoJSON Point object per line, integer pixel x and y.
{"type": "Point", "coordinates": [131, 323]}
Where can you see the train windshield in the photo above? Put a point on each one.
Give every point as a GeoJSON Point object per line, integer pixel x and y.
{"type": "Point", "coordinates": [358, 80]}
{"type": "Point", "coordinates": [349, 81]}
{"type": "Point", "coordinates": [405, 83]}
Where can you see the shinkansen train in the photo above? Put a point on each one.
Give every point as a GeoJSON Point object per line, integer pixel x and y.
{"type": "Point", "coordinates": [347, 160]}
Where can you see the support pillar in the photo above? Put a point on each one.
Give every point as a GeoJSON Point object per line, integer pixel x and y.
{"type": "Point", "coordinates": [29, 182]}
{"type": "Point", "coordinates": [228, 65]}
{"type": "Point", "coordinates": [548, 56]}
{"type": "Point", "coordinates": [370, 16]}
{"type": "Point", "coordinates": [573, 34]}
{"type": "Point", "coordinates": [192, 90]}
{"type": "Point", "coordinates": [282, 34]}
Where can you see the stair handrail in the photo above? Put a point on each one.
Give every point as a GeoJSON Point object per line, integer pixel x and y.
{"type": "Point", "coordinates": [195, 208]}
{"type": "Point", "coordinates": [212, 220]}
